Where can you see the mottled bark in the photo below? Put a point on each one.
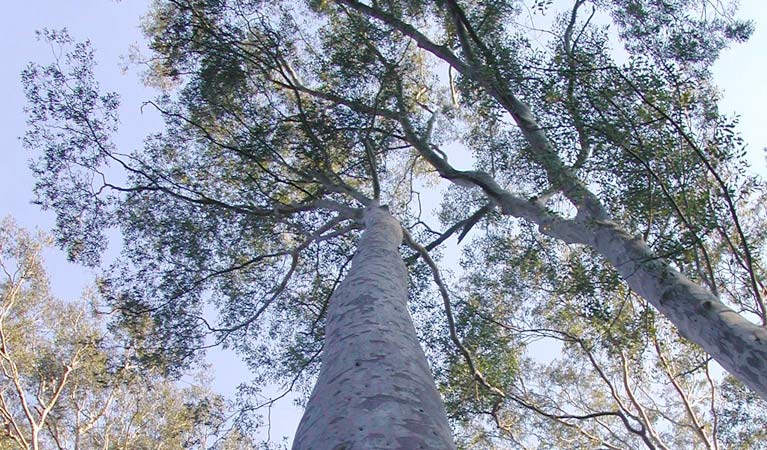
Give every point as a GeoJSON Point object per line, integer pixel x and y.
{"type": "Point", "coordinates": [738, 345]}
{"type": "Point", "coordinates": [375, 389]}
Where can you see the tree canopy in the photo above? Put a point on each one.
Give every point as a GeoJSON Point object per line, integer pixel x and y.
{"type": "Point", "coordinates": [602, 200]}
{"type": "Point", "coordinates": [66, 382]}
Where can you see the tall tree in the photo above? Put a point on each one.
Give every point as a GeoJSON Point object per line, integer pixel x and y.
{"type": "Point", "coordinates": [285, 120]}
{"type": "Point", "coordinates": [375, 389]}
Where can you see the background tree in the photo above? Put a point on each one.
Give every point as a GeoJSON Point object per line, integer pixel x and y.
{"type": "Point", "coordinates": [283, 120]}
{"type": "Point", "coordinates": [67, 384]}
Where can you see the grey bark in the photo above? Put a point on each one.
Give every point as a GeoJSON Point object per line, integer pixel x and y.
{"type": "Point", "coordinates": [739, 345]}
{"type": "Point", "coordinates": [375, 389]}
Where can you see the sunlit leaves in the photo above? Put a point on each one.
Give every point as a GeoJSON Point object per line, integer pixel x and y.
{"type": "Point", "coordinates": [66, 382]}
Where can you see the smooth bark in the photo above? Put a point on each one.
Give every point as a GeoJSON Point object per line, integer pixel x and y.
{"type": "Point", "coordinates": [375, 389]}
{"type": "Point", "coordinates": [739, 345]}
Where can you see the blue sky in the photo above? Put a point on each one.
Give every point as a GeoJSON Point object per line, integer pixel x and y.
{"type": "Point", "coordinates": [113, 28]}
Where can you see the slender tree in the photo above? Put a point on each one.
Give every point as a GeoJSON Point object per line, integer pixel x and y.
{"type": "Point", "coordinates": [67, 383]}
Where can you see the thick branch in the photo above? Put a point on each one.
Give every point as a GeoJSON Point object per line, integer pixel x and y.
{"type": "Point", "coordinates": [543, 151]}
{"type": "Point", "coordinates": [548, 223]}
{"type": "Point", "coordinates": [737, 344]}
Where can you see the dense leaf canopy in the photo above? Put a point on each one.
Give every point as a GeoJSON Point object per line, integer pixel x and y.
{"type": "Point", "coordinates": [284, 119]}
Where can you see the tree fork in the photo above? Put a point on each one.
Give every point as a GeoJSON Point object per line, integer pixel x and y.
{"type": "Point", "coordinates": [375, 389]}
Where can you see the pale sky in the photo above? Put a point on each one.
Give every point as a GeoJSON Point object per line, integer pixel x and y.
{"type": "Point", "coordinates": [113, 27]}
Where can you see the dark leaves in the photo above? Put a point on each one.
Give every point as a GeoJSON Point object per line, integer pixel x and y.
{"type": "Point", "coordinates": [71, 123]}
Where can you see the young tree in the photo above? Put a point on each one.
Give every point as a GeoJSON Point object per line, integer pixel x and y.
{"type": "Point", "coordinates": [285, 121]}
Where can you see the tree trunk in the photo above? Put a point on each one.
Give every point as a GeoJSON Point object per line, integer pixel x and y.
{"type": "Point", "coordinates": [738, 345]}
{"type": "Point", "coordinates": [375, 389]}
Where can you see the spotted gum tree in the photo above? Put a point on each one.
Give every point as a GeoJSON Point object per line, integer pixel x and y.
{"type": "Point", "coordinates": [287, 121]}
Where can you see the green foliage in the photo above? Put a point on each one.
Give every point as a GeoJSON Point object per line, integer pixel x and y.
{"type": "Point", "coordinates": [742, 416]}
{"type": "Point", "coordinates": [66, 383]}
{"type": "Point", "coordinates": [71, 122]}
{"type": "Point", "coordinates": [284, 119]}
